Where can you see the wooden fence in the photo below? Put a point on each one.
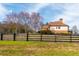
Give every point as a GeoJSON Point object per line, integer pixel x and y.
{"type": "Point", "coordinates": [39, 37]}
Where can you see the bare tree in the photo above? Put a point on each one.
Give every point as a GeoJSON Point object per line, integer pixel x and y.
{"type": "Point", "coordinates": [74, 29]}
{"type": "Point", "coordinates": [24, 18]}
{"type": "Point", "coordinates": [12, 20]}
{"type": "Point", "coordinates": [32, 22]}
{"type": "Point", "coordinates": [36, 20]}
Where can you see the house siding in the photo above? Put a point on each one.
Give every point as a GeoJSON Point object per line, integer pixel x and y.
{"type": "Point", "coordinates": [58, 30]}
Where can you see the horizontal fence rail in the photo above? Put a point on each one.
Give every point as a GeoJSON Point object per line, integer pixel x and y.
{"type": "Point", "coordinates": [39, 37]}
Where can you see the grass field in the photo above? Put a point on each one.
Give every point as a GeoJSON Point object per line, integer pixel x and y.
{"type": "Point", "coordinates": [36, 48]}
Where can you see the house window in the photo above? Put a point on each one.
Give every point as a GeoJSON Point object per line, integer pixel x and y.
{"type": "Point", "coordinates": [58, 27]}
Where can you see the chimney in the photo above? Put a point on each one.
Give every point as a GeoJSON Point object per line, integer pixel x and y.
{"type": "Point", "coordinates": [61, 20]}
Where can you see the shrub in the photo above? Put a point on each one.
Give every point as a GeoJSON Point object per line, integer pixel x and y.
{"type": "Point", "coordinates": [64, 33]}
{"type": "Point", "coordinates": [45, 32]}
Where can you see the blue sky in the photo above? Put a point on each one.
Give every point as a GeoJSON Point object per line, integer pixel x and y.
{"type": "Point", "coordinates": [49, 11]}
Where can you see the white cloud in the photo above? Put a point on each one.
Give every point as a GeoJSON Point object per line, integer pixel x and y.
{"type": "Point", "coordinates": [37, 7]}
{"type": "Point", "coordinates": [3, 11]}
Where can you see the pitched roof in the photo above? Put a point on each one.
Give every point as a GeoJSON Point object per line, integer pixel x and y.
{"type": "Point", "coordinates": [57, 23]}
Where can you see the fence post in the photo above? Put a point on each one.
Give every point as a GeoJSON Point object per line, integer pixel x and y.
{"type": "Point", "coordinates": [27, 36]}
{"type": "Point", "coordinates": [55, 37]}
{"type": "Point", "coordinates": [41, 37]}
{"type": "Point", "coordinates": [14, 37]}
{"type": "Point", "coordinates": [1, 36]}
{"type": "Point", "coordinates": [70, 37]}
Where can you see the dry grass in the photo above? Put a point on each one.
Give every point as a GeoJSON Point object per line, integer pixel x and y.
{"type": "Point", "coordinates": [31, 48]}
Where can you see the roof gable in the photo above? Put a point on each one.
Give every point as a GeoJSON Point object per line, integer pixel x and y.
{"type": "Point", "coordinates": [57, 23]}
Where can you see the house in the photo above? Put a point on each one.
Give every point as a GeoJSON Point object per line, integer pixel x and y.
{"type": "Point", "coordinates": [56, 27]}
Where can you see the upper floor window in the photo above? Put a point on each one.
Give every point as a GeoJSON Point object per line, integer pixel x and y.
{"type": "Point", "coordinates": [58, 27]}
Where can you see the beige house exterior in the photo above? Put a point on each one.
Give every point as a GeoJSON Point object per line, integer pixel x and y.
{"type": "Point", "coordinates": [56, 27]}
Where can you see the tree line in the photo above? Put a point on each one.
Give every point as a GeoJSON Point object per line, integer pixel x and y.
{"type": "Point", "coordinates": [24, 22]}
{"type": "Point", "coordinates": [21, 22]}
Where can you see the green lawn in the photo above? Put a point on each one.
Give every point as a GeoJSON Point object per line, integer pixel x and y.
{"type": "Point", "coordinates": [36, 48]}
